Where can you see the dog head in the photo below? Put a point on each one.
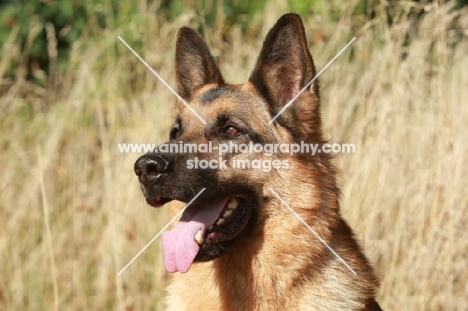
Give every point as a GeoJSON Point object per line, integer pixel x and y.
{"type": "Point", "coordinates": [232, 206]}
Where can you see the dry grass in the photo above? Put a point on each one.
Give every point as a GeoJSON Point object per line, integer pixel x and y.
{"type": "Point", "coordinates": [71, 213]}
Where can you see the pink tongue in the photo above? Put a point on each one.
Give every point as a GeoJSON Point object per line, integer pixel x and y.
{"type": "Point", "coordinates": [179, 245]}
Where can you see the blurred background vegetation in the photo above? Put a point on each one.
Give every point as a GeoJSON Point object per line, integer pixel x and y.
{"type": "Point", "coordinates": [70, 19]}
{"type": "Point", "coordinates": [71, 212]}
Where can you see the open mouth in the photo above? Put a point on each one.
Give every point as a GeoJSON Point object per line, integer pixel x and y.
{"type": "Point", "coordinates": [228, 226]}
{"type": "Point", "coordinates": [204, 232]}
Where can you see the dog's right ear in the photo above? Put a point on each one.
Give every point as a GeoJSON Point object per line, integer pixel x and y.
{"type": "Point", "coordinates": [283, 68]}
{"type": "Point", "coordinates": [194, 64]}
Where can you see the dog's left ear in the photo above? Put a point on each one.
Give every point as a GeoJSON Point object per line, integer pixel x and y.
{"type": "Point", "coordinates": [283, 68]}
{"type": "Point", "coordinates": [194, 64]}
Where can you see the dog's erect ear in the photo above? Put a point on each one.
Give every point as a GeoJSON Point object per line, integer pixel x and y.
{"type": "Point", "coordinates": [194, 64]}
{"type": "Point", "coordinates": [283, 68]}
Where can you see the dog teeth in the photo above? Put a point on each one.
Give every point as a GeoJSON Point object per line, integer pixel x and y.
{"type": "Point", "coordinates": [227, 213]}
{"type": "Point", "coordinates": [232, 204]}
{"type": "Point", "coordinates": [199, 237]}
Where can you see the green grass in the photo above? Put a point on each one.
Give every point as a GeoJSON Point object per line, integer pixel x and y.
{"type": "Point", "coordinates": [71, 211]}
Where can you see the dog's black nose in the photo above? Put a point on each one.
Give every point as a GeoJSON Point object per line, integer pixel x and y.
{"type": "Point", "coordinates": [150, 166]}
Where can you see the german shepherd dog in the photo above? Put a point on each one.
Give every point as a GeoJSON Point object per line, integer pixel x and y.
{"type": "Point", "coordinates": [237, 246]}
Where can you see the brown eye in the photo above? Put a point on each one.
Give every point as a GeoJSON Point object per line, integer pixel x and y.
{"type": "Point", "coordinates": [232, 131]}
{"type": "Point", "coordinates": [174, 132]}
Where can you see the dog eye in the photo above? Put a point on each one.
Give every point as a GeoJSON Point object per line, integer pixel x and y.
{"type": "Point", "coordinates": [232, 131]}
{"type": "Point", "coordinates": [174, 133]}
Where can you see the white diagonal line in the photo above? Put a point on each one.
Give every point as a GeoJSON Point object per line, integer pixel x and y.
{"type": "Point", "coordinates": [311, 81]}
{"type": "Point", "coordinates": [162, 80]}
{"type": "Point", "coordinates": [313, 231]}
{"type": "Point", "coordinates": [159, 233]}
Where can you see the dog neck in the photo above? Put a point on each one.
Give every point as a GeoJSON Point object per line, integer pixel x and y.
{"type": "Point", "coordinates": [260, 271]}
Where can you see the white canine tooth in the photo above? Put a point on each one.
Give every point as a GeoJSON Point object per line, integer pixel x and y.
{"type": "Point", "coordinates": [232, 204]}
{"type": "Point", "coordinates": [227, 213]}
{"type": "Point", "coordinates": [199, 237]}
{"type": "Point", "coordinates": [220, 221]}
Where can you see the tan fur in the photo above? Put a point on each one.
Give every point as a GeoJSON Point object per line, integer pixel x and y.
{"type": "Point", "coordinates": [283, 267]}
{"type": "Point", "coordinates": [279, 264]}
